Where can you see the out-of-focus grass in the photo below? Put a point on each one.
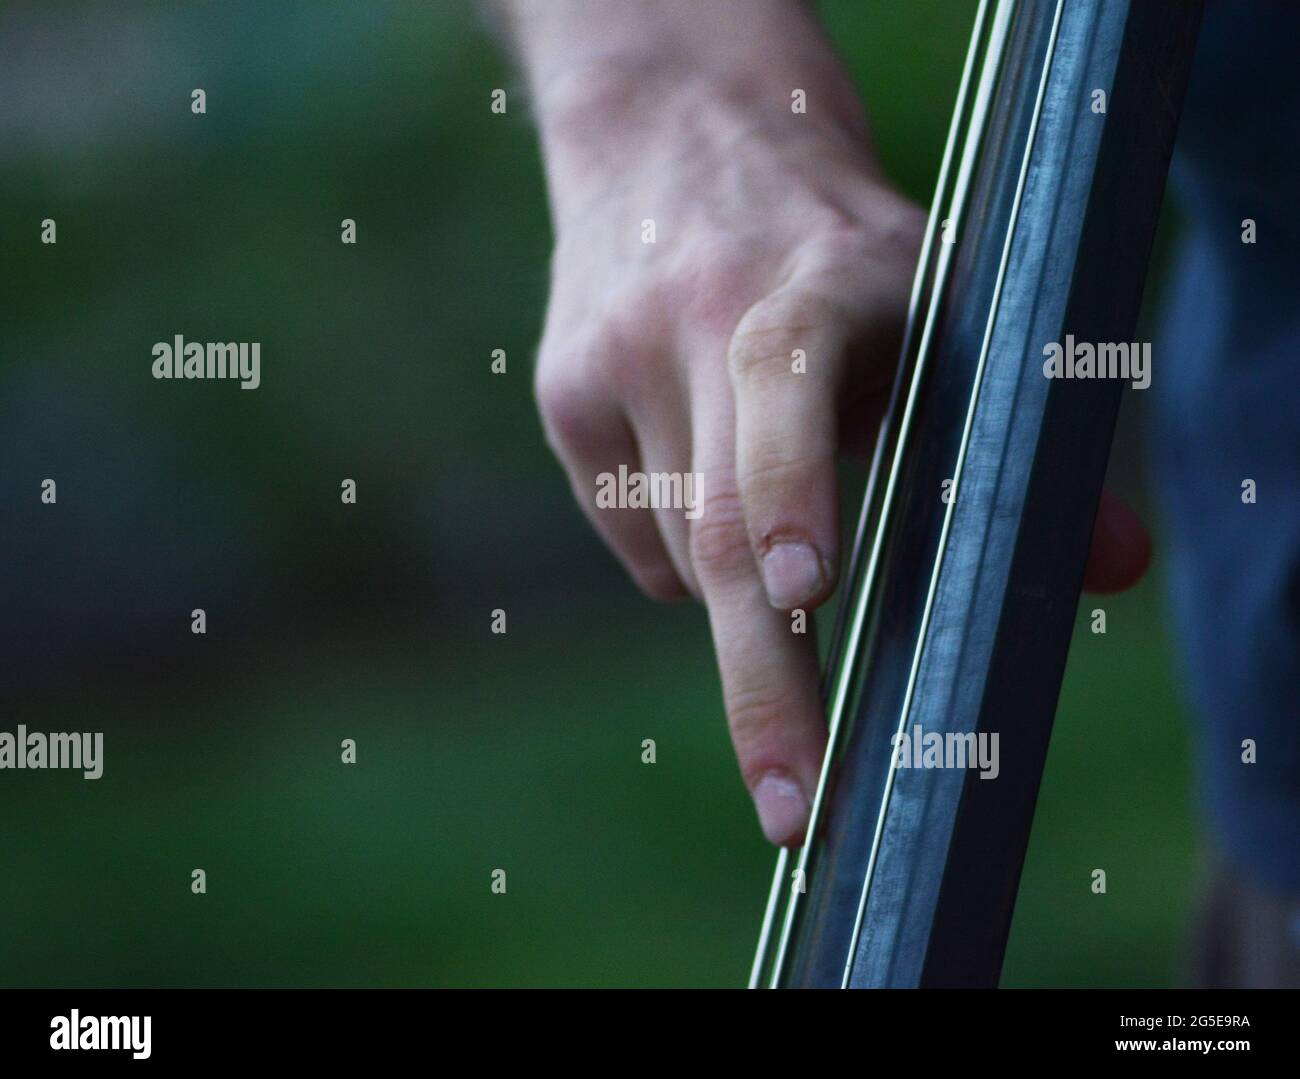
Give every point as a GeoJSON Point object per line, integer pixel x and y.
{"type": "Point", "coordinates": [523, 753]}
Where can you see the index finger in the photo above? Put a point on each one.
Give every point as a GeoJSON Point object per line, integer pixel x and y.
{"type": "Point", "coordinates": [768, 670]}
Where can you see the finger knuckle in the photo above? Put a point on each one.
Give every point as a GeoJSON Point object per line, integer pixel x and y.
{"type": "Point", "coordinates": [714, 296]}
{"type": "Point", "coordinates": [752, 715]}
{"type": "Point", "coordinates": [773, 468]}
{"type": "Point", "coordinates": [658, 581]}
{"type": "Point", "coordinates": [615, 354]}
{"type": "Point", "coordinates": [766, 338]}
{"type": "Point", "coordinates": [843, 246]}
{"type": "Point", "coordinates": [719, 543]}
{"type": "Point", "coordinates": [565, 410]}
{"type": "Point", "coordinates": [895, 231]}
{"type": "Point", "coordinates": [755, 354]}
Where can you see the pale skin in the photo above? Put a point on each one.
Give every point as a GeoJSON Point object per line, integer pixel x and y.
{"type": "Point", "coordinates": [776, 232]}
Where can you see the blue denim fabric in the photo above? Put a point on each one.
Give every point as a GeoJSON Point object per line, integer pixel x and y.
{"type": "Point", "coordinates": [1226, 383]}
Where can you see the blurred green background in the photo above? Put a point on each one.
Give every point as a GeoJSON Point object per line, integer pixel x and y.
{"type": "Point", "coordinates": [325, 621]}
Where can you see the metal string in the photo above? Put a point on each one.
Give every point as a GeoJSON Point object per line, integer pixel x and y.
{"type": "Point", "coordinates": [838, 647]}
{"type": "Point", "coordinates": [980, 111]}
{"type": "Point", "coordinates": [961, 460]}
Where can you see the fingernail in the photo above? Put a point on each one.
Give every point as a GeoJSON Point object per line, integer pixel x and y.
{"type": "Point", "coordinates": [782, 808]}
{"type": "Point", "coordinates": [792, 574]}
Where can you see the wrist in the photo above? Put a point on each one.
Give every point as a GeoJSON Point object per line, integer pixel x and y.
{"type": "Point", "coordinates": [615, 114]}
{"type": "Point", "coordinates": [592, 65]}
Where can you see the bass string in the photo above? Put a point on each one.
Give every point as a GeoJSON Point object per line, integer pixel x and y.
{"type": "Point", "coordinates": [769, 918]}
{"type": "Point", "coordinates": [837, 666]}
{"type": "Point", "coordinates": [925, 264]}
{"type": "Point", "coordinates": [866, 593]}
{"type": "Point", "coordinates": [990, 323]}
{"type": "Point", "coordinates": [975, 130]}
